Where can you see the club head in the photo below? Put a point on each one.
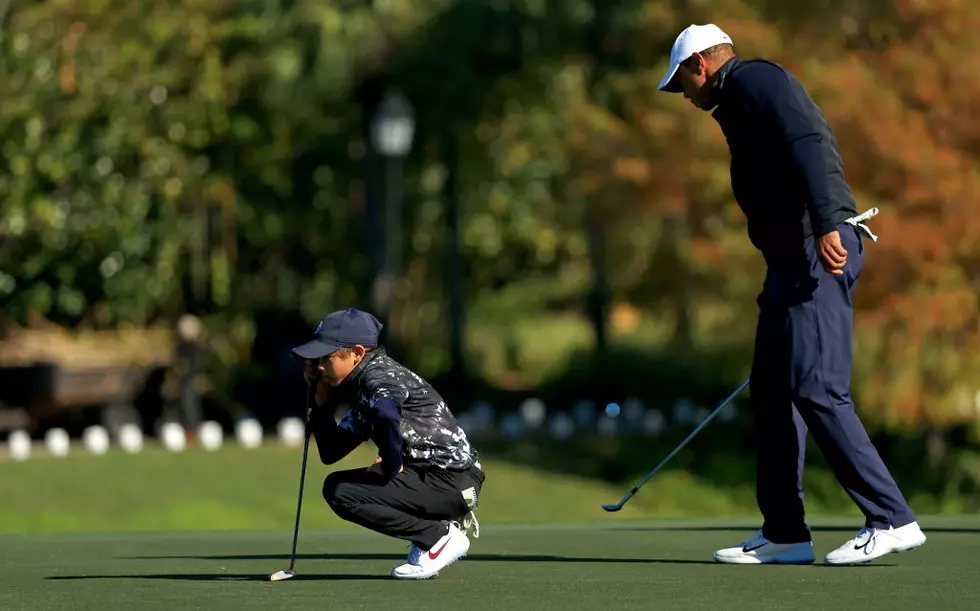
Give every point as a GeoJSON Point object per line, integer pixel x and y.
{"type": "Point", "coordinates": [612, 507]}
{"type": "Point", "coordinates": [282, 575]}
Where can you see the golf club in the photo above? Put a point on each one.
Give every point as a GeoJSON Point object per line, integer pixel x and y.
{"type": "Point", "coordinates": [630, 494]}
{"type": "Point", "coordinates": [290, 573]}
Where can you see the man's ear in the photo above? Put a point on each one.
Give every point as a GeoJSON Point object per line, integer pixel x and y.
{"type": "Point", "coordinates": [359, 351]}
{"type": "Point", "coordinates": [697, 64]}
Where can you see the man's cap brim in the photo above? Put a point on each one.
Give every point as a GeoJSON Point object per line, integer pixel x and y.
{"type": "Point", "coordinates": [314, 350]}
{"type": "Point", "coordinates": [671, 84]}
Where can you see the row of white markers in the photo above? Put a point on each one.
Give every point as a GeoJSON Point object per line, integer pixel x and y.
{"type": "Point", "coordinates": [633, 418]}
{"type": "Point", "coordinates": [173, 437]}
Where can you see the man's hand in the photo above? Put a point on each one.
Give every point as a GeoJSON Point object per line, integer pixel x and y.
{"type": "Point", "coordinates": [831, 253]}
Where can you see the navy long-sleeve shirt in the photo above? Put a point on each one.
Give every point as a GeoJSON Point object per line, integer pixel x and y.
{"type": "Point", "coordinates": [787, 174]}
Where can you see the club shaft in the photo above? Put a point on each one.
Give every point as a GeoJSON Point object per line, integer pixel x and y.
{"type": "Point", "coordinates": [683, 443]}
{"type": "Point", "coordinates": [310, 398]}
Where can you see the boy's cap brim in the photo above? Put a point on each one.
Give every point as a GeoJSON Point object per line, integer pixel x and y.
{"type": "Point", "coordinates": [314, 350]}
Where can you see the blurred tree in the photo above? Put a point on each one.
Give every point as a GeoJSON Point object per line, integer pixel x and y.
{"type": "Point", "coordinates": [211, 156]}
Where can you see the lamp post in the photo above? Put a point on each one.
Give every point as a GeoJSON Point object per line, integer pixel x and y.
{"type": "Point", "coordinates": [392, 129]}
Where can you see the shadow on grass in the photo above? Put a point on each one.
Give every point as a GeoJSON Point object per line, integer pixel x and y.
{"type": "Point", "coordinates": [827, 529]}
{"type": "Point", "coordinates": [223, 577]}
{"type": "Point", "coordinates": [397, 557]}
{"type": "Point", "coordinates": [369, 577]}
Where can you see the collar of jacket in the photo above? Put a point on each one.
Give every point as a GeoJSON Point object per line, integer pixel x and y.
{"type": "Point", "coordinates": [352, 380]}
{"type": "Point", "coordinates": [721, 77]}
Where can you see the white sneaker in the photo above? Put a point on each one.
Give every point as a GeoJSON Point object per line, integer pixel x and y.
{"type": "Point", "coordinates": [425, 564]}
{"type": "Point", "coordinates": [759, 550]}
{"type": "Point", "coordinates": [873, 543]}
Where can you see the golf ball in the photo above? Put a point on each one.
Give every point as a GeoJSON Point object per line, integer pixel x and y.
{"type": "Point", "coordinates": [57, 442]}
{"type": "Point", "coordinates": [96, 440]}
{"type": "Point", "coordinates": [19, 443]}
{"type": "Point", "coordinates": [612, 410]}
{"type": "Point", "coordinates": [130, 438]}
{"type": "Point", "coordinates": [172, 436]}
{"type": "Point", "coordinates": [249, 433]}
{"type": "Point", "coordinates": [210, 435]}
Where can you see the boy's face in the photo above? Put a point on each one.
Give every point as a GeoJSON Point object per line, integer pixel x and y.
{"type": "Point", "coordinates": [338, 365]}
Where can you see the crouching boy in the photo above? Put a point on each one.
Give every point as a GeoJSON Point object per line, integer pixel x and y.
{"type": "Point", "coordinates": [426, 481]}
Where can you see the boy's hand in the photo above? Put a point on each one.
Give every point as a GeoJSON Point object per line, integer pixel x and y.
{"type": "Point", "coordinates": [376, 469]}
{"type": "Point", "coordinates": [312, 371]}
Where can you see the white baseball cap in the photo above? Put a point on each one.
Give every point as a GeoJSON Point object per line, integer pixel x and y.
{"type": "Point", "coordinates": [694, 39]}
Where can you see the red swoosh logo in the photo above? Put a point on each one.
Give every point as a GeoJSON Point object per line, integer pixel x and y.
{"type": "Point", "coordinates": [436, 555]}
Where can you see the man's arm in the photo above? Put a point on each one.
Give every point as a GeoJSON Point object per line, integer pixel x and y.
{"type": "Point", "coordinates": [771, 92]}
{"type": "Point", "coordinates": [334, 441]}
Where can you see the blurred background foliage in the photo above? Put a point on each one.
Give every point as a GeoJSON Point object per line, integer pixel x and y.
{"type": "Point", "coordinates": [212, 157]}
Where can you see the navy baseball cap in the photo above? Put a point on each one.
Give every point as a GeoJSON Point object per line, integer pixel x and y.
{"type": "Point", "coordinates": [341, 329]}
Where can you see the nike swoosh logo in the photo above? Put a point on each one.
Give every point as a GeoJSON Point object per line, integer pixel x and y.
{"type": "Point", "coordinates": [752, 549]}
{"type": "Point", "coordinates": [436, 555]}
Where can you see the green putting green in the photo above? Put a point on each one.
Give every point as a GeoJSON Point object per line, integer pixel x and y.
{"type": "Point", "coordinates": [624, 565]}
{"type": "Point", "coordinates": [239, 489]}
{"type": "Point", "coordinates": [200, 530]}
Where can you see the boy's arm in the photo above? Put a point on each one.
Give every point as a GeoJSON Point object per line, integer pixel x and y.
{"type": "Point", "coordinates": [386, 397]}
{"type": "Point", "coordinates": [334, 441]}
{"type": "Point", "coordinates": [386, 413]}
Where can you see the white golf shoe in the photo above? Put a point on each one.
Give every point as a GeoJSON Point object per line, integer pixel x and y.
{"type": "Point", "coordinates": [759, 550]}
{"type": "Point", "coordinates": [424, 564]}
{"type": "Point", "coordinates": [873, 543]}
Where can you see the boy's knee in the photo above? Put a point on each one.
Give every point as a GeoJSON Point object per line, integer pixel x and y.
{"type": "Point", "coordinates": [333, 492]}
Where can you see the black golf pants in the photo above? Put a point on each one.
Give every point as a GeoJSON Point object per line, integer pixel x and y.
{"type": "Point", "coordinates": [415, 505]}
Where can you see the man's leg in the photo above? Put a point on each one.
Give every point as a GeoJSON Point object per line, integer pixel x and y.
{"type": "Point", "coordinates": [822, 329]}
{"type": "Point", "coordinates": [780, 435]}
{"type": "Point", "coordinates": [781, 445]}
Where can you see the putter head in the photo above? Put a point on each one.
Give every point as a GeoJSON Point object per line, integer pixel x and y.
{"type": "Point", "coordinates": [612, 507]}
{"type": "Point", "coordinates": [282, 575]}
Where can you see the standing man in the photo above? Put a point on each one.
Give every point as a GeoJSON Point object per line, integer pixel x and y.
{"type": "Point", "coordinates": [788, 179]}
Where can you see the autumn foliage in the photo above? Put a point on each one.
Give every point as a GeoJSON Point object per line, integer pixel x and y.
{"type": "Point", "coordinates": [157, 157]}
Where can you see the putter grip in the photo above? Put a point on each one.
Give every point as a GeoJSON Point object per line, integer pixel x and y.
{"type": "Point", "coordinates": [310, 405]}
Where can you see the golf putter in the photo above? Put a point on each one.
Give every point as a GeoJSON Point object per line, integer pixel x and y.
{"type": "Point", "coordinates": [630, 494]}
{"type": "Point", "coordinates": [290, 573]}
